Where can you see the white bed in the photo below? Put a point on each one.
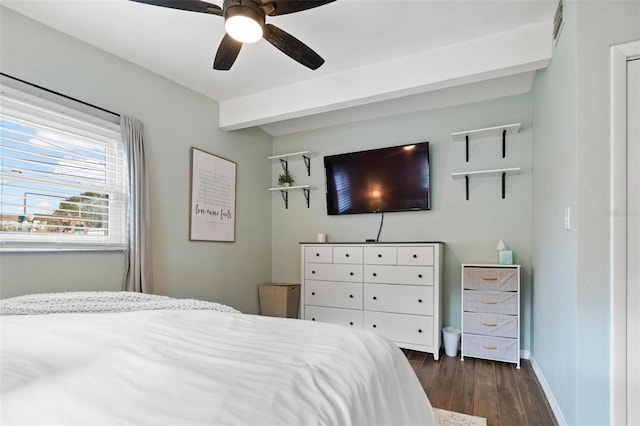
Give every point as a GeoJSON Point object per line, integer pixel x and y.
{"type": "Point", "coordinates": [200, 366]}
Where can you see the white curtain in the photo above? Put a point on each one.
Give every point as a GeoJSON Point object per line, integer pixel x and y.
{"type": "Point", "coordinates": [139, 271]}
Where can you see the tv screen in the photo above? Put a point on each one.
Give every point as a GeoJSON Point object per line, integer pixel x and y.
{"type": "Point", "coordinates": [381, 180]}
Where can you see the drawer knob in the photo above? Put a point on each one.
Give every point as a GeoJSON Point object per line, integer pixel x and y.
{"type": "Point", "coordinates": [351, 273]}
{"type": "Point", "coordinates": [350, 322]}
{"type": "Point", "coordinates": [313, 272]}
{"type": "Point", "coordinates": [374, 326]}
{"type": "Point", "coordinates": [317, 254]}
{"type": "Point", "coordinates": [490, 347]}
{"type": "Point", "coordinates": [419, 330]}
{"type": "Point", "coordinates": [419, 275]}
{"type": "Point", "coordinates": [375, 275]}
{"type": "Point", "coordinates": [489, 279]}
{"type": "Point", "coordinates": [489, 302]}
{"type": "Point", "coordinates": [419, 300]}
{"type": "Point", "coordinates": [490, 324]}
{"type": "Point", "coordinates": [415, 256]}
{"type": "Point", "coordinates": [313, 319]}
{"type": "Point", "coordinates": [347, 255]}
{"type": "Point", "coordinates": [379, 255]}
{"type": "Point", "coordinates": [351, 296]}
{"type": "Point", "coordinates": [375, 298]}
{"type": "Point", "coordinates": [313, 293]}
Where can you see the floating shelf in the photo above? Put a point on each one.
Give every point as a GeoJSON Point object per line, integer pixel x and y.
{"type": "Point", "coordinates": [289, 188]}
{"type": "Point", "coordinates": [284, 191]}
{"type": "Point", "coordinates": [488, 132]}
{"type": "Point", "coordinates": [291, 154]}
{"type": "Point", "coordinates": [486, 173]}
{"type": "Point", "coordinates": [284, 160]}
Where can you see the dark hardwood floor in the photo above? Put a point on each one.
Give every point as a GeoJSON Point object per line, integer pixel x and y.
{"type": "Point", "coordinates": [503, 394]}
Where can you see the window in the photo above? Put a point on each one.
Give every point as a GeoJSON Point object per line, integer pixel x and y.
{"type": "Point", "coordinates": [63, 177]}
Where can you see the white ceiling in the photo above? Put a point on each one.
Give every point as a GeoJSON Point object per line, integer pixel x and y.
{"type": "Point", "coordinates": [382, 57]}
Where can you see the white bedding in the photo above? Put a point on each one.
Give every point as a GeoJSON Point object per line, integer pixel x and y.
{"type": "Point", "coordinates": [179, 367]}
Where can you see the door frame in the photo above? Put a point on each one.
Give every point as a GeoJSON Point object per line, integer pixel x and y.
{"type": "Point", "coordinates": [619, 56]}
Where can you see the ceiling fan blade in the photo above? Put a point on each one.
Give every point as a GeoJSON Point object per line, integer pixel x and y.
{"type": "Point", "coordinates": [188, 5]}
{"type": "Point", "coordinates": [227, 53]}
{"type": "Point", "coordinates": [292, 47]}
{"type": "Point", "coordinates": [282, 7]}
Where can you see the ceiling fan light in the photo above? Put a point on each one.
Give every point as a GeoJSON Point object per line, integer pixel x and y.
{"type": "Point", "coordinates": [243, 24]}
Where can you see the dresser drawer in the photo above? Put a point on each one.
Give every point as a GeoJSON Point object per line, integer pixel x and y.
{"type": "Point", "coordinates": [502, 279]}
{"type": "Point", "coordinates": [415, 256]}
{"type": "Point", "coordinates": [347, 317]}
{"type": "Point", "coordinates": [491, 302]}
{"type": "Point", "coordinates": [401, 328]}
{"type": "Point", "coordinates": [411, 275]}
{"type": "Point", "coordinates": [496, 348]}
{"type": "Point", "coordinates": [491, 324]}
{"type": "Point", "coordinates": [347, 254]}
{"type": "Point", "coordinates": [318, 254]}
{"type": "Point", "coordinates": [375, 255]}
{"type": "Point", "coordinates": [333, 294]}
{"type": "Point", "coordinates": [333, 272]}
{"type": "Point", "coordinates": [410, 299]}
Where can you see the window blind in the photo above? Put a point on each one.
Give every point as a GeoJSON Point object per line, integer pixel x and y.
{"type": "Point", "coordinates": [63, 177]}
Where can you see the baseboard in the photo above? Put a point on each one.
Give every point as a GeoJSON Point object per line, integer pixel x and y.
{"type": "Point", "coordinates": [547, 390]}
{"type": "Point", "coordinates": [525, 354]}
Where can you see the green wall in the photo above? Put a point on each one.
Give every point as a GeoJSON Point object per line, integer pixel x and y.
{"type": "Point", "coordinates": [175, 119]}
{"type": "Point", "coordinates": [470, 229]}
{"type": "Point", "coordinates": [571, 318]}
{"type": "Point", "coordinates": [601, 24]}
{"type": "Point", "coordinates": [554, 248]}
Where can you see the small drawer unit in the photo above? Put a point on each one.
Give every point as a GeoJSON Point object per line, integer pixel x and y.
{"type": "Point", "coordinates": [392, 289]}
{"type": "Point", "coordinates": [491, 312]}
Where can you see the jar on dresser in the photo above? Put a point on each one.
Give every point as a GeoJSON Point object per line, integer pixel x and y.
{"type": "Point", "coordinates": [491, 312]}
{"type": "Point", "coordinates": [392, 289]}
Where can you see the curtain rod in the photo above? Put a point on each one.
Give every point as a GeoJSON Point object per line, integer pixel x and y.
{"type": "Point", "coordinates": [60, 94]}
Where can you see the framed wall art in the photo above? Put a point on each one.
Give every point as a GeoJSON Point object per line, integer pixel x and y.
{"type": "Point", "coordinates": [213, 198]}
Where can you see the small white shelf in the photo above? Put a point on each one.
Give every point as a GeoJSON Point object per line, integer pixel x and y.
{"type": "Point", "coordinates": [284, 191]}
{"type": "Point", "coordinates": [289, 188]}
{"type": "Point", "coordinates": [284, 160]}
{"type": "Point", "coordinates": [488, 132]}
{"type": "Point", "coordinates": [292, 154]}
{"type": "Point", "coordinates": [486, 173]}
{"type": "Point", "coordinates": [479, 173]}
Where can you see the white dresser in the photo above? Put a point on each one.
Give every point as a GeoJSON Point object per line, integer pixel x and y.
{"type": "Point", "coordinates": [491, 312]}
{"type": "Point", "coordinates": [392, 289]}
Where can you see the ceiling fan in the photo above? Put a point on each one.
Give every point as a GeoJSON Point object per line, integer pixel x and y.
{"type": "Point", "coordinates": [245, 23]}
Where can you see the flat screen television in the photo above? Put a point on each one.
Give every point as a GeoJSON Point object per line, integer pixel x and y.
{"type": "Point", "coordinates": [390, 179]}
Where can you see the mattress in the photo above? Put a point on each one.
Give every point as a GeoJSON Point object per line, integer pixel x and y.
{"type": "Point", "coordinates": [200, 366]}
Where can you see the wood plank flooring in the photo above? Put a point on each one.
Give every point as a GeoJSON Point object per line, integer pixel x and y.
{"type": "Point", "coordinates": [503, 394]}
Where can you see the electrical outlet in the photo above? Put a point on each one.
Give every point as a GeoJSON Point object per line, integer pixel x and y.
{"type": "Point", "coordinates": [567, 218]}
